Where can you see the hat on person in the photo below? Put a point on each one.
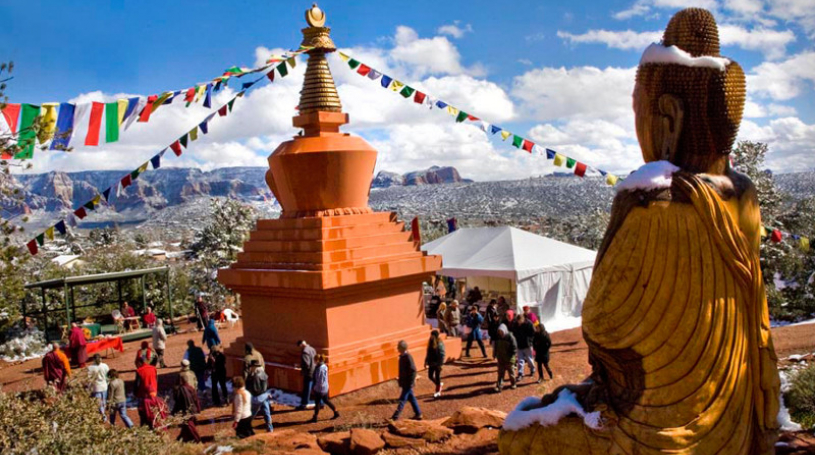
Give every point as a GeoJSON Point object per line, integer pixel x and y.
{"type": "Point", "coordinates": [503, 328]}
{"type": "Point", "coordinates": [525, 308]}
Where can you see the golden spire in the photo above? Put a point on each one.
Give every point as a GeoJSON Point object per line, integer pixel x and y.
{"type": "Point", "coordinates": [319, 92]}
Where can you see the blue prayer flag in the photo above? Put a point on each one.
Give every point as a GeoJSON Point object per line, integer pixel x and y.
{"type": "Point", "coordinates": [131, 106]}
{"type": "Point", "coordinates": [208, 98]}
{"type": "Point", "coordinates": [386, 81]}
{"type": "Point", "coordinates": [246, 85]}
{"type": "Point", "coordinates": [550, 154]}
{"type": "Point", "coordinates": [61, 227]}
{"type": "Point", "coordinates": [203, 127]}
{"type": "Point", "coordinates": [65, 126]}
{"type": "Point", "coordinates": [106, 194]}
{"type": "Point", "coordinates": [494, 129]}
{"type": "Point", "coordinates": [156, 161]}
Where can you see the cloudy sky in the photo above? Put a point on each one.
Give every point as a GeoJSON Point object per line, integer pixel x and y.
{"type": "Point", "coordinates": [560, 73]}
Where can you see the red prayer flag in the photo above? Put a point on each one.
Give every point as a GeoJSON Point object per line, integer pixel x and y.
{"type": "Point", "coordinates": [270, 75]}
{"type": "Point", "coordinates": [419, 97]}
{"type": "Point", "coordinates": [126, 181]}
{"type": "Point", "coordinates": [190, 95]}
{"type": "Point", "coordinates": [80, 213]}
{"type": "Point", "coordinates": [527, 145]}
{"type": "Point", "coordinates": [148, 109]}
{"type": "Point", "coordinates": [776, 236]}
{"type": "Point", "coordinates": [414, 230]}
{"type": "Point", "coordinates": [32, 247]}
{"type": "Point", "coordinates": [222, 111]}
{"type": "Point", "coordinates": [363, 69]}
{"type": "Point", "coordinates": [580, 169]}
{"type": "Point", "coordinates": [472, 118]}
{"type": "Point", "coordinates": [12, 113]}
{"type": "Point", "coordinates": [96, 121]}
{"type": "Point", "coordinates": [176, 146]}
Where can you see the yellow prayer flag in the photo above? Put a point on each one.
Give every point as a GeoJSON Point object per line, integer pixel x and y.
{"type": "Point", "coordinates": [161, 99]}
{"type": "Point", "coordinates": [97, 199]}
{"type": "Point", "coordinates": [763, 232]}
{"type": "Point", "coordinates": [49, 233]}
{"type": "Point", "coordinates": [143, 167]}
{"type": "Point", "coordinates": [396, 86]}
{"type": "Point", "coordinates": [49, 121]}
{"type": "Point", "coordinates": [452, 110]}
{"type": "Point", "coordinates": [804, 243]}
{"type": "Point", "coordinates": [611, 179]}
{"type": "Point", "coordinates": [201, 89]}
{"type": "Point", "coordinates": [505, 134]}
{"type": "Point", "coordinates": [122, 109]}
{"type": "Point", "coordinates": [344, 57]}
{"type": "Point", "coordinates": [194, 134]}
{"type": "Point", "coordinates": [291, 61]}
{"type": "Point", "coordinates": [559, 159]}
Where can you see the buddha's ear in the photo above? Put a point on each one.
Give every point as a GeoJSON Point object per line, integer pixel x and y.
{"type": "Point", "coordinates": [672, 112]}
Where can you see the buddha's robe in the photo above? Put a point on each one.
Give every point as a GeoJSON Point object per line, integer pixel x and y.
{"type": "Point", "coordinates": [678, 329]}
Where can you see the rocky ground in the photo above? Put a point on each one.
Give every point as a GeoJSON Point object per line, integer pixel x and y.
{"type": "Point", "coordinates": [363, 427]}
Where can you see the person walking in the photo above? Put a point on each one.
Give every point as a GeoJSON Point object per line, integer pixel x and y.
{"type": "Point", "coordinates": [77, 343]}
{"type": "Point", "coordinates": [160, 341]}
{"type": "Point", "coordinates": [241, 409]}
{"type": "Point", "coordinates": [117, 399]}
{"type": "Point", "coordinates": [98, 376]}
{"type": "Point", "coordinates": [493, 321]}
{"type": "Point", "coordinates": [492, 309]}
{"type": "Point", "coordinates": [147, 392]}
{"type": "Point", "coordinates": [407, 378]}
{"type": "Point", "coordinates": [320, 389]}
{"type": "Point", "coordinates": [440, 317]}
{"type": "Point", "coordinates": [186, 375]}
{"type": "Point", "coordinates": [186, 404]}
{"type": "Point", "coordinates": [216, 363]}
{"type": "Point", "coordinates": [542, 342]}
{"type": "Point", "coordinates": [211, 337]}
{"type": "Point", "coordinates": [452, 319]}
{"type": "Point", "coordinates": [524, 333]}
{"type": "Point", "coordinates": [202, 311]}
{"type": "Point", "coordinates": [474, 321]}
{"type": "Point", "coordinates": [146, 354]}
{"type": "Point", "coordinates": [505, 353]}
{"type": "Point", "coordinates": [55, 368]}
{"type": "Point", "coordinates": [434, 360]}
{"type": "Point", "coordinates": [198, 363]}
{"type": "Point", "coordinates": [257, 384]}
{"type": "Point", "coordinates": [307, 354]}
{"type": "Point", "coordinates": [250, 354]}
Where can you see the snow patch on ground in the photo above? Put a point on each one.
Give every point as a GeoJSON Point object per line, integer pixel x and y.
{"type": "Point", "coordinates": [651, 176]}
{"type": "Point", "coordinates": [784, 419]}
{"type": "Point", "coordinates": [525, 415]}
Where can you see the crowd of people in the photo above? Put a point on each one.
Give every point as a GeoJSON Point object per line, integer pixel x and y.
{"type": "Point", "coordinates": [519, 342]}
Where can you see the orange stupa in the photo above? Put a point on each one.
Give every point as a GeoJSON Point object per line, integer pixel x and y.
{"type": "Point", "coordinates": [329, 270]}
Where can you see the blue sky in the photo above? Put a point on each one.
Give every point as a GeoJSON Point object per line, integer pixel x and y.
{"type": "Point", "coordinates": [557, 72]}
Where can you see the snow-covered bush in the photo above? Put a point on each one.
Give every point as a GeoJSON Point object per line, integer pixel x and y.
{"type": "Point", "coordinates": [23, 344]}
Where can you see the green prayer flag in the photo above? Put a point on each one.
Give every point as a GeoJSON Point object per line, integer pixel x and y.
{"type": "Point", "coordinates": [234, 70]}
{"type": "Point", "coordinates": [40, 239]}
{"type": "Point", "coordinates": [353, 63]}
{"type": "Point", "coordinates": [407, 91]}
{"type": "Point", "coordinates": [570, 163]}
{"type": "Point", "coordinates": [26, 137]}
{"type": "Point", "coordinates": [517, 141]}
{"type": "Point", "coordinates": [183, 140]}
{"type": "Point", "coordinates": [283, 69]}
{"type": "Point", "coordinates": [462, 116]}
{"type": "Point", "coordinates": [89, 205]}
{"type": "Point", "coordinates": [231, 102]}
{"type": "Point", "coordinates": [112, 121]}
{"type": "Point", "coordinates": [134, 175]}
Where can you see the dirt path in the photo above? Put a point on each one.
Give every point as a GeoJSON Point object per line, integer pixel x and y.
{"type": "Point", "coordinates": [466, 382]}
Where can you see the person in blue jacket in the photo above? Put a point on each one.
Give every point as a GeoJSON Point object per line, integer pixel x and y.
{"type": "Point", "coordinates": [211, 337]}
{"type": "Point", "coordinates": [474, 321]}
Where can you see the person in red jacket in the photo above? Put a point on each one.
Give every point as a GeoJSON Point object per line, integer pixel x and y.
{"type": "Point", "coordinates": [77, 343]}
{"type": "Point", "coordinates": [146, 388]}
{"type": "Point", "coordinates": [149, 318]}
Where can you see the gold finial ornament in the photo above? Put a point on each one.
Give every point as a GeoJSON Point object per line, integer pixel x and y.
{"type": "Point", "coordinates": [315, 16]}
{"type": "Point", "coordinates": [319, 92]}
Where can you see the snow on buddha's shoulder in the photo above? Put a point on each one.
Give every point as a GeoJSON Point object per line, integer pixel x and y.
{"type": "Point", "coordinates": [651, 176]}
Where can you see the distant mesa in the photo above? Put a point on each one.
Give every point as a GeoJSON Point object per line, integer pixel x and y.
{"type": "Point", "coordinates": [433, 175]}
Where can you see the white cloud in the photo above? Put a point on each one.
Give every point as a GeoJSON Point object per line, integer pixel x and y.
{"type": "Point", "coordinates": [783, 80]}
{"type": "Point", "coordinates": [580, 92]}
{"type": "Point", "coordinates": [525, 61]}
{"type": "Point", "coordinates": [436, 55]}
{"type": "Point", "coordinates": [456, 30]}
{"type": "Point", "coordinates": [744, 7]}
{"type": "Point", "coordinates": [643, 7]}
{"type": "Point", "coordinates": [772, 43]}
{"type": "Point", "coordinates": [606, 145]}
{"type": "Point", "coordinates": [799, 11]}
{"type": "Point", "coordinates": [791, 142]}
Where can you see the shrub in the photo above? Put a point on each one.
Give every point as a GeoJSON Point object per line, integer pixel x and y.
{"type": "Point", "coordinates": [800, 398]}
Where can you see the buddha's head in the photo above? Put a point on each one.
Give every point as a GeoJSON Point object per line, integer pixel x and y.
{"type": "Point", "coordinates": [688, 100]}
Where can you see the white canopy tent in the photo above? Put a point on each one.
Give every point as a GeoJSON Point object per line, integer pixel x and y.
{"type": "Point", "coordinates": [551, 276]}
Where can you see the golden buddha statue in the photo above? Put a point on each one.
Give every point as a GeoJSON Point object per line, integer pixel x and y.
{"type": "Point", "coordinates": [676, 316]}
